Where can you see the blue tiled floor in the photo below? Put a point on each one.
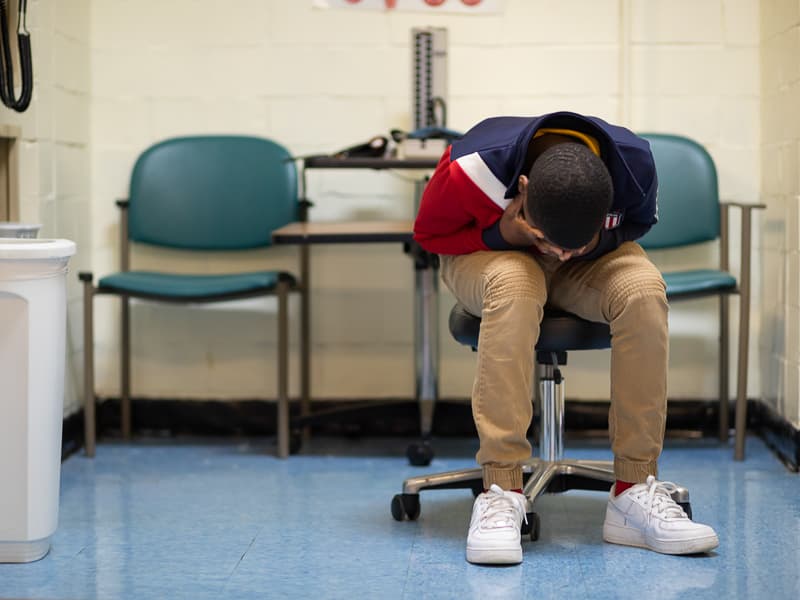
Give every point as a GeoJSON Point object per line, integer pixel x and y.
{"type": "Point", "coordinates": [210, 520]}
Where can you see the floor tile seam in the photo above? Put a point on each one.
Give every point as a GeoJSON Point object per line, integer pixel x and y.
{"type": "Point", "coordinates": [241, 558]}
{"type": "Point", "coordinates": [403, 593]}
{"type": "Point", "coordinates": [581, 559]}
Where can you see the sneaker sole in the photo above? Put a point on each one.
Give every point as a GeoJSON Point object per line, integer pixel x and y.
{"type": "Point", "coordinates": [625, 536]}
{"type": "Point", "coordinates": [494, 556]}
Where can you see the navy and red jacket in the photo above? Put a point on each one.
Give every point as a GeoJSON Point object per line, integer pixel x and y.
{"type": "Point", "coordinates": [477, 177]}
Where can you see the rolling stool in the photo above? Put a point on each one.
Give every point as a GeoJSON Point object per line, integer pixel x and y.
{"type": "Point", "coordinates": [551, 472]}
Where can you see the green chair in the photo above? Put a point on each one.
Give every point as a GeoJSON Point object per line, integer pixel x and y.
{"type": "Point", "coordinates": [690, 212]}
{"type": "Point", "coordinates": [209, 193]}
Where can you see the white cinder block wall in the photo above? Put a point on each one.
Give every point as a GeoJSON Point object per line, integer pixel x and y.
{"type": "Point", "coordinates": [54, 153]}
{"type": "Point", "coordinates": [319, 80]}
{"type": "Point", "coordinates": [723, 71]}
{"type": "Point", "coordinates": [779, 345]}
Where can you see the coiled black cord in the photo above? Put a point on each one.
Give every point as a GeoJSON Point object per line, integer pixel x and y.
{"type": "Point", "coordinates": [25, 59]}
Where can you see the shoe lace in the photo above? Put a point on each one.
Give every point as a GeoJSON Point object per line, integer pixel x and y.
{"type": "Point", "coordinates": [659, 499]}
{"type": "Point", "coordinates": [501, 508]}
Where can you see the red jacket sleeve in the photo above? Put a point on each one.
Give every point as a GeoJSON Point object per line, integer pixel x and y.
{"type": "Point", "coordinates": [453, 212]}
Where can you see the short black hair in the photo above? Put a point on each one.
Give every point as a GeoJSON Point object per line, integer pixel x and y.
{"type": "Point", "coordinates": [569, 194]}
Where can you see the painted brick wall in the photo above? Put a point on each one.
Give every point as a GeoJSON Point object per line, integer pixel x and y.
{"type": "Point", "coordinates": [319, 80]}
{"type": "Point", "coordinates": [779, 345]}
{"type": "Point", "coordinates": [54, 153]}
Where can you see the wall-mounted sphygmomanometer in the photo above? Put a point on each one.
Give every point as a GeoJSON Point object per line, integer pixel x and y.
{"type": "Point", "coordinates": [7, 92]}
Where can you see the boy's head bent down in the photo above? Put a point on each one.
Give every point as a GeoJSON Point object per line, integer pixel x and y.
{"type": "Point", "coordinates": [569, 193]}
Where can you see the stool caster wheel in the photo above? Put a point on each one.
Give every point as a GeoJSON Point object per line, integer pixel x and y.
{"type": "Point", "coordinates": [420, 454]}
{"type": "Point", "coordinates": [681, 498]}
{"type": "Point", "coordinates": [405, 506]}
{"type": "Point", "coordinates": [532, 527]}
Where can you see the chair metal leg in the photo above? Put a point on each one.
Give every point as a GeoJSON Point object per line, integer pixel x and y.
{"type": "Point", "coordinates": [89, 419]}
{"type": "Point", "coordinates": [744, 339]}
{"type": "Point", "coordinates": [283, 370]}
{"type": "Point", "coordinates": [125, 369]}
{"type": "Point", "coordinates": [724, 330]}
{"type": "Point", "coordinates": [724, 372]}
{"type": "Point", "coordinates": [741, 382]}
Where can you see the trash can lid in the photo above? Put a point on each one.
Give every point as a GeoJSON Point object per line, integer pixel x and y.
{"type": "Point", "coordinates": [14, 230]}
{"type": "Point", "coordinates": [31, 248]}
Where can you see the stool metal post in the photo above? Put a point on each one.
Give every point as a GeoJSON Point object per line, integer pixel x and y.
{"type": "Point", "coordinates": [551, 430]}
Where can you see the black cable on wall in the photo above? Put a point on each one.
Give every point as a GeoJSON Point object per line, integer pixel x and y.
{"type": "Point", "coordinates": [25, 59]}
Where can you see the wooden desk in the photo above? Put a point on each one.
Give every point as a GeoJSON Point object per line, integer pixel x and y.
{"type": "Point", "coordinates": [351, 232]}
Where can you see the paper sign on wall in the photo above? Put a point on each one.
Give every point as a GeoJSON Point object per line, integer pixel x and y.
{"type": "Point", "coordinates": [476, 7]}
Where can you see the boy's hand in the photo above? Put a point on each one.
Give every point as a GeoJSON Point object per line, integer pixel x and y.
{"type": "Point", "coordinates": [513, 227]}
{"type": "Point", "coordinates": [517, 232]}
{"type": "Point", "coordinates": [563, 255]}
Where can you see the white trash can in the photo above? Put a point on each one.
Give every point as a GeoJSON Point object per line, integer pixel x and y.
{"type": "Point", "coordinates": [33, 309]}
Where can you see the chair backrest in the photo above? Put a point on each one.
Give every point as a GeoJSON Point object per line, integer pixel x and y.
{"type": "Point", "coordinates": [688, 198]}
{"type": "Point", "coordinates": [212, 193]}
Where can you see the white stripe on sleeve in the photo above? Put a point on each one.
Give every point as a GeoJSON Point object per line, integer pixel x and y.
{"type": "Point", "coordinates": [482, 176]}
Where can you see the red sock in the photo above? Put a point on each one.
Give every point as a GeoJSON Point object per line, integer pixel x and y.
{"type": "Point", "coordinates": [621, 486]}
{"type": "Point", "coordinates": [518, 490]}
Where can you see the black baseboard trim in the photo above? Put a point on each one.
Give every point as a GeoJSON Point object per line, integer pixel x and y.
{"type": "Point", "coordinates": [72, 434]}
{"type": "Point", "coordinates": [400, 417]}
{"type": "Point", "coordinates": [780, 435]}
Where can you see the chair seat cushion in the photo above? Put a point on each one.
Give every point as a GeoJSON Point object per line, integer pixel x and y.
{"type": "Point", "coordinates": [701, 282]}
{"type": "Point", "coordinates": [173, 286]}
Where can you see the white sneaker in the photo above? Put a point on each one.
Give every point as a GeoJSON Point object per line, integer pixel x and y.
{"type": "Point", "coordinates": [494, 530]}
{"type": "Point", "coordinates": [646, 516]}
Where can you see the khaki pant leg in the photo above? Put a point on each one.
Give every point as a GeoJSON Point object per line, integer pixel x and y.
{"type": "Point", "coordinates": [623, 288]}
{"type": "Point", "coordinates": [508, 291]}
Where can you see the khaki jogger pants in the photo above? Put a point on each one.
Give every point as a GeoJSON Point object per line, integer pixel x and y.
{"type": "Point", "coordinates": [508, 290]}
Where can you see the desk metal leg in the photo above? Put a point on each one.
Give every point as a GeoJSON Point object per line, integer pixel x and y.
{"type": "Point", "coordinates": [305, 337]}
{"type": "Point", "coordinates": [426, 348]}
{"type": "Point", "coordinates": [426, 344]}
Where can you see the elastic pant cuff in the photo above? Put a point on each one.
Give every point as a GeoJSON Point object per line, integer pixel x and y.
{"type": "Point", "coordinates": [508, 478]}
{"type": "Point", "coordinates": [632, 472]}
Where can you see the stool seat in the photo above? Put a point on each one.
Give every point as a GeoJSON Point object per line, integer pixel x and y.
{"type": "Point", "coordinates": [560, 331]}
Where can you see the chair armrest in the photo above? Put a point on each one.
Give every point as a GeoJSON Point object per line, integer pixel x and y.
{"type": "Point", "coordinates": [124, 248]}
{"type": "Point", "coordinates": [747, 210]}
{"type": "Point", "coordinates": [743, 205]}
